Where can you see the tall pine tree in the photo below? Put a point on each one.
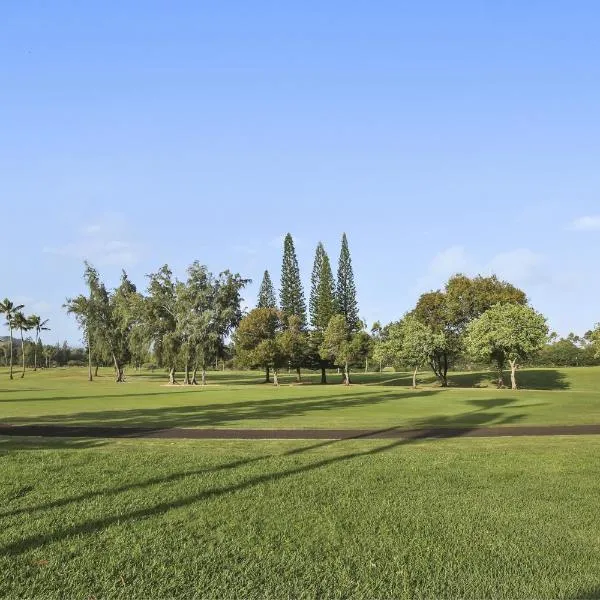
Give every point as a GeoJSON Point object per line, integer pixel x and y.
{"type": "Point", "coordinates": [266, 293]}
{"type": "Point", "coordinates": [346, 290]}
{"type": "Point", "coordinates": [322, 291]}
{"type": "Point", "coordinates": [291, 295]}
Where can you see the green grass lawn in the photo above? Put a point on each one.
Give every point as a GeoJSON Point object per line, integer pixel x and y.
{"type": "Point", "coordinates": [468, 518]}
{"type": "Point", "coordinates": [564, 396]}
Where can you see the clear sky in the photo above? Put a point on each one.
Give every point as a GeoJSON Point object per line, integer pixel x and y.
{"type": "Point", "coordinates": [441, 136]}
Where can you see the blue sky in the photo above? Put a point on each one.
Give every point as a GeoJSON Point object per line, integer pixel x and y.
{"type": "Point", "coordinates": [441, 136]}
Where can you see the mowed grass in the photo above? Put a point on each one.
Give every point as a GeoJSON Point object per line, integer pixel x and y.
{"type": "Point", "coordinates": [469, 518]}
{"type": "Point", "coordinates": [552, 396]}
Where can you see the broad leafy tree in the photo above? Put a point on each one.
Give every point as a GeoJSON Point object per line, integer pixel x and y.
{"type": "Point", "coordinates": [506, 332]}
{"type": "Point", "coordinates": [346, 302]}
{"type": "Point", "coordinates": [9, 309]}
{"type": "Point", "coordinates": [447, 313]}
{"type": "Point", "coordinates": [257, 341]}
{"type": "Point", "coordinates": [342, 347]}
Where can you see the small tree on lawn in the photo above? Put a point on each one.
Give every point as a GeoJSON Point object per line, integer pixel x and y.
{"type": "Point", "coordinates": [293, 342]}
{"type": "Point", "coordinates": [336, 345]}
{"type": "Point", "coordinates": [256, 341]}
{"type": "Point", "coordinates": [506, 332]}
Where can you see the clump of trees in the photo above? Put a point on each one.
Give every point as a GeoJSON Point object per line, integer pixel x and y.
{"type": "Point", "coordinates": [181, 323]}
{"type": "Point", "coordinates": [273, 336]}
{"type": "Point", "coordinates": [16, 321]}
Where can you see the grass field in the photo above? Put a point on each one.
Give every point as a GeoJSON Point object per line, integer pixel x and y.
{"type": "Point", "coordinates": [566, 396]}
{"type": "Point", "coordinates": [471, 518]}
{"type": "Point", "coordinates": [453, 518]}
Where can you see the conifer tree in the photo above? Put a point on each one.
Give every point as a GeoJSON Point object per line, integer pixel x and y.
{"type": "Point", "coordinates": [322, 292]}
{"type": "Point", "coordinates": [291, 295]}
{"type": "Point", "coordinates": [266, 293]}
{"type": "Point", "coordinates": [346, 303]}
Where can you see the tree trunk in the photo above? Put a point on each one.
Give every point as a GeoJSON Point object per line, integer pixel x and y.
{"type": "Point", "coordinates": [96, 370]}
{"type": "Point", "coordinates": [513, 377]}
{"type": "Point", "coordinates": [118, 370]}
{"type": "Point", "coordinates": [267, 377]}
{"type": "Point", "coordinates": [194, 370]}
{"type": "Point", "coordinates": [415, 377]}
{"type": "Point", "coordinates": [11, 351]}
{"type": "Point", "coordinates": [298, 375]}
{"type": "Point", "coordinates": [445, 371]}
{"type": "Point", "coordinates": [186, 376]}
{"type": "Point", "coordinates": [275, 378]}
{"type": "Point", "coordinates": [23, 354]}
{"type": "Point", "coordinates": [346, 374]}
{"type": "Point", "coordinates": [172, 375]}
{"type": "Point", "coordinates": [90, 378]}
{"type": "Point", "coordinates": [35, 352]}
{"type": "Point", "coordinates": [323, 374]}
{"type": "Point", "coordinates": [203, 374]}
{"type": "Point", "coordinates": [366, 365]}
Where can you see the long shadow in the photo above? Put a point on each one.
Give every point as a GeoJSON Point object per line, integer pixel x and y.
{"type": "Point", "coordinates": [95, 525]}
{"type": "Point", "coordinates": [534, 379]}
{"type": "Point", "coordinates": [9, 444]}
{"type": "Point", "coordinates": [215, 414]}
{"type": "Point", "coordinates": [589, 594]}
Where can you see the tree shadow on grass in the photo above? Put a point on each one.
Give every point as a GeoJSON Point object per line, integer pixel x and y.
{"type": "Point", "coordinates": [428, 428]}
{"type": "Point", "coordinates": [534, 379]}
{"type": "Point", "coordinates": [590, 594]}
{"type": "Point", "coordinates": [11, 444]}
{"type": "Point", "coordinates": [220, 414]}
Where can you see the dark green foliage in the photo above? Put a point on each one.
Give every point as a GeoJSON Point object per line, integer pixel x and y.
{"type": "Point", "coordinates": [266, 293]}
{"type": "Point", "coordinates": [346, 289]}
{"type": "Point", "coordinates": [322, 291]}
{"type": "Point", "coordinates": [291, 294]}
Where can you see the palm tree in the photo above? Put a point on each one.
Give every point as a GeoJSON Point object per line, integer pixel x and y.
{"type": "Point", "coordinates": [38, 325]}
{"type": "Point", "coordinates": [22, 323]}
{"type": "Point", "coordinates": [8, 309]}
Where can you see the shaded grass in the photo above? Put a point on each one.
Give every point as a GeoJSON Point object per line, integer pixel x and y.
{"type": "Point", "coordinates": [64, 396]}
{"type": "Point", "coordinates": [453, 518]}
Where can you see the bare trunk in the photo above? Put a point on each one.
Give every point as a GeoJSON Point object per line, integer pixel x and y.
{"type": "Point", "coordinates": [172, 375]}
{"type": "Point", "coordinates": [513, 377]}
{"type": "Point", "coordinates": [35, 351]}
{"type": "Point", "coordinates": [415, 377]}
{"type": "Point", "coordinates": [275, 378]}
{"type": "Point", "coordinates": [194, 370]}
{"type": "Point", "coordinates": [118, 369]}
{"type": "Point", "coordinates": [22, 354]}
{"type": "Point", "coordinates": [11, 352]}
{"type": "Point", "coordinates": [323, 375]}
{"type": "Point", "coordinates": [223, 362]}
{"type": "Point", "coordinates": [90, 378]}
{"type": "Point", "coordinates": [96, 370]}
{"type": "Point", "coordinates": [186, 376]}
{"type": "Point", "coordinates": [267, 377]}
{"type": "Point", "coordinates": [346, 374]}
{"type": "Point", "coordinates": [445, 371]}
{"type": "Point", "coordinates": [203, 375]}
{"type": "Point", "coordinates": [298, 375]}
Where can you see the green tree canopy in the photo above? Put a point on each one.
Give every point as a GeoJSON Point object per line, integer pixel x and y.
{"type": "Point", "coordinates": [291, 294]}
{"type": "Point", "coordinates": [346, 302]}
{"type": "Point", "coordinates": [506, 332]}
{"type": "Point", "coordinates": [266, 293]}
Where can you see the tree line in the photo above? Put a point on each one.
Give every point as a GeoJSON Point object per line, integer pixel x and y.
{"type": "Point", "coordinates": [186, 325]}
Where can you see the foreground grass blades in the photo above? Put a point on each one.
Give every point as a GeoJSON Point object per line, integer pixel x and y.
{"type": "Point", "coordinates": [453, 518]}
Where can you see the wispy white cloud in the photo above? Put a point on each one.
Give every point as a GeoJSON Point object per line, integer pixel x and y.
{"type": "Point", "coordinates": [521, 266]}
{"type": "Point", "coordinates": [103, 242]}
{"type": "Point", "coordinates": [587, 223]}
